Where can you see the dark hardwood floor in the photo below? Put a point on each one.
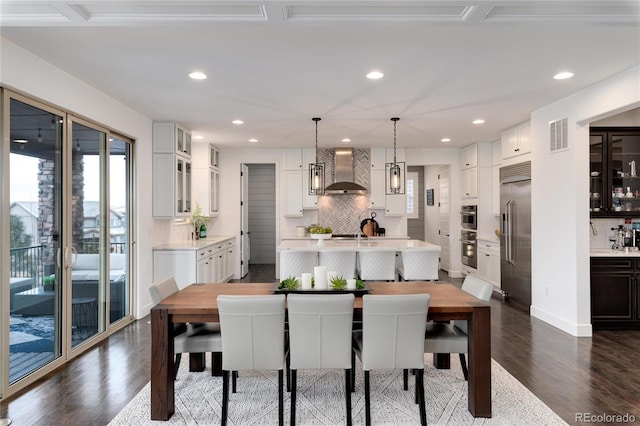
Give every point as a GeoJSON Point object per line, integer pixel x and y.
{"type": "Point", "coordinates": [598, 375]}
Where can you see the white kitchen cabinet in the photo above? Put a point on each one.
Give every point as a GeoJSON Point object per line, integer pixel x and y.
{"type": "Point", "coordinates": [292, 159]}
{"type": "Point", "coordinates": [469, 157]}
{"type": "Point", "coordinates": [495, 177]}
{"type": "Point", "coordinates": [516, 141]}
{"type": "Point", "coordinates": [377, 197]}
{"type": "Point", "coordinates": [395, 205]}
{"type": "Point", "coordinates": [489, 261]}
{"type": "Point", "coordinates": [201, 264]}
{"type": "Point", "coordinates": [292, 193]}
{"type": "Point", "coordinates": [172, 171]}
{"type": "Point", "coordinates": [469, 180]}
{"type": "Point", "coordinates": [206, 175]}
{"type": "Point", "coordinates": [377, 158]}
{"type": "Point", "coordinates": [171, 138]}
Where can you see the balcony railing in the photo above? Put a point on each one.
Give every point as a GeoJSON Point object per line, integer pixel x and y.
{"type": "Point", "coordinates": [27, 262]}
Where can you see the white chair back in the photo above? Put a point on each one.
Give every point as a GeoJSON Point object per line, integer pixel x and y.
{"type": "Point", "coordinates": [377, 265]}
{"type": "Point", "coordinates": [320, 330]}
{"type": "Point", "coordinates": [252, 330]}
{"type": "Point", "coordinates": [393, 329]}
{"type": "Point", "coordinates": [341, 261]}
{"type": "Point", "coordinates": [162, 289]}
{"type": "Point", "coordinates": [476, 287]}
{"type": "Point", "coordinates": [419, 264]}
{"type": "Point", "coordinates": [293, 263]}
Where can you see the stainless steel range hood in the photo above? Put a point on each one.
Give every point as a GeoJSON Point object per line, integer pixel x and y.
{"type": "Point", "coordinates": [343, 172]}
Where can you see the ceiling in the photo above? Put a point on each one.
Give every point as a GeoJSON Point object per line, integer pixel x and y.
{"type": "Point", "coordinates": [277, 64]}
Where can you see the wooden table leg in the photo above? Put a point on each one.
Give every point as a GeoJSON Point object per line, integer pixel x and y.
{"type": "Point", "coordinates": [196, 362]}
{"type": "Point", "coordinates": [442, 361]}
{"type": "Point", "coordinates": [479, 360]}
{"type": "Point", "coordinates": [162, 381]}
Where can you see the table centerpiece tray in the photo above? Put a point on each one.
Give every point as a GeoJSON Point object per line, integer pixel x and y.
{"type": "Point", "coordinates": [356, 292]}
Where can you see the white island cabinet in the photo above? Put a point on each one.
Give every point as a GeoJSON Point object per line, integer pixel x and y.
{"type": "Point", "coordinates": [203, 261]}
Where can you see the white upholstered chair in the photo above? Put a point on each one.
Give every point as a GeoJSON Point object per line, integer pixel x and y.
{"type": "Point", "coordinates": [252, 339]}
{"type": "Point", "coordinates": [197, 338]}
{"type": "Point", "coordinates": [452, 338]}
{"type": "Point", "coordinates": [293, 263]}
{"type": "Point", "coordinates": [418, 264]}
{"type": "Point", "coordinates": [377, 265]}
{"type": "Point", "coordinates": [320, 337]}
{"type": "Point", "coordinates": [341, 261]}
{"type": "Point", "coordinates": [392, 337]}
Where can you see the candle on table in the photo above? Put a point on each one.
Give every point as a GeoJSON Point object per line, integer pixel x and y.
{"type": "Point", "coordinates": [320, 276]}
{"type": "Point", "coordinates": [351, 284]}
{"type": "Point", "coordinates": [306, 281]}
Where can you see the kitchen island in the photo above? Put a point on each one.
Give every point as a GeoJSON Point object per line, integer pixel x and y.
{"type": "Point", "coordinates": [353, 244]}
{"type": "Point", "coordinates": [432, 251]}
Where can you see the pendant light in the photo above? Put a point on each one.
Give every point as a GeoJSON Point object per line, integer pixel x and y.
{"type": "Point", "coordinates": [396, 170]}
{"type": "Point", "coordinates": [316, 170]}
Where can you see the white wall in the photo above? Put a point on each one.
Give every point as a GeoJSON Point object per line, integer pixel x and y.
{"type": "Point", "coordinates": [24, 72]}
{"type": "Point", "coordinates": [560, 205]}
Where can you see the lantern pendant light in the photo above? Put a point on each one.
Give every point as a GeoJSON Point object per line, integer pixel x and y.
{"type": "Point", "coordinates": [316, 170]}
{"type": "Point", "coordinates": [396, 170]}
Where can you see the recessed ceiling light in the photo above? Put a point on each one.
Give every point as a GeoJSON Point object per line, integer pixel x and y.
{"type": "Point", "coordinates": [374, 75]}
{"type": "Point", "coordinates": [346, 140]}
{"type": "Point", "coordinates": [563, 75]}
{"type": "Point", "coordinates": [253, 140]}
{"type": "Point", "coordinates": [198, 75]}
{"type": "Point", "coordinates": [478, 121]}
{"type": "Point", "coordinates": [198, 137]}
{"type": "Point", "coordinates": [445, 140]}
{"type": "Point", "coordinates": [238, 122]}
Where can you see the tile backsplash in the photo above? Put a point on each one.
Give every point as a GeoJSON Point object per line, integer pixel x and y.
{"type": "Point", "coordinates": [345, 212]}
{"type": "Point", "coordinates": [602, 229]}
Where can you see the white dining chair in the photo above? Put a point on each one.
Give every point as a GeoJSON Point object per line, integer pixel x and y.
{"type": "Point", "coordinates": [453, 338]}
{"type": "Point", "coordinates": [294, 263]}
{"type": "Point", "coordinates": [320, 334]}
{"type": "Point", "coordinates": [418, 264]}
{"type": "Point", "coordinates": [196, 338]}
{"type": "Point", "coordinates": [377, 265]}
{"type": "Point", "coordinates": [392, 337]}
{"type": "Point", "coordinates": [341, 261]}
{"type": "Point", "coordinates": [253, 338]}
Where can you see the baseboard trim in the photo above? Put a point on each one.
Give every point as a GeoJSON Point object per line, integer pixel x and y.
{"type": "Point", "coordinates": [577, 330]}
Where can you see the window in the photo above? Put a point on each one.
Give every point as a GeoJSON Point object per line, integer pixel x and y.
{"type": "Point", "coordinates": [413, 209]}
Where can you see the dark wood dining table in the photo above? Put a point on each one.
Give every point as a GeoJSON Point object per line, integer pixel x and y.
{"type": "Point", "coordinates": [198, 303]}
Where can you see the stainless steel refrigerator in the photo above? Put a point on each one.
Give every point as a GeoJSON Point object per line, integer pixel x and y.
{"type": "Point", "coordinates": [515, 239]}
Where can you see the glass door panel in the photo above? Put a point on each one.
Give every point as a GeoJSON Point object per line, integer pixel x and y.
{"type": "Point", "coordinates": [36, 281]}
{"type": "Point", "coordinates": [119, 183]}
{"type": "Point", "coordinates": [89, 227]}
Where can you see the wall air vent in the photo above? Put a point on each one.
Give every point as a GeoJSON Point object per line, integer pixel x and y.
{"type": "Point", "coordinates": [558, 135]}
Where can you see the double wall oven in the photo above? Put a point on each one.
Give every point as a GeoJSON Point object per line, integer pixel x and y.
{"type": "Point", "coordinates": [468, 243]}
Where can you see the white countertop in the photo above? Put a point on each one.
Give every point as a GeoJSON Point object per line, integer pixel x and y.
{"type": "Point", "coordinates": [364, 245]}
{"type": "Point", "coordinates": [613, 253]}
{"type": "Point", "coordinates": [386, 237]}
{"type": "Point", "coordinates": [193, 244]}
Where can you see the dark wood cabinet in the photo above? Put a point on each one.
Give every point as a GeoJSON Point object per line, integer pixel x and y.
{"type": "Point", "coordinates": [615, 293]}
{"type": "Point", "coordinates": [614, 153]}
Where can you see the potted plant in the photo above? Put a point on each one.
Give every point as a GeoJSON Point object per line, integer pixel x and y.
{"type": "Point", "coordinates": [199, 222]}
{"type": "Point", "coordinates": [49, 282]}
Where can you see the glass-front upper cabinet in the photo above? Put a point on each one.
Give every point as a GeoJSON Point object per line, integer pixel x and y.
{"type": "Point", "coordinates": [597, 153]}
{"type": "Point", "coordinates": [615, 188]}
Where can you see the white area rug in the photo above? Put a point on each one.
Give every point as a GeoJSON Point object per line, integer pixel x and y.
{"type": "Point", "coordinates": [321, 399]}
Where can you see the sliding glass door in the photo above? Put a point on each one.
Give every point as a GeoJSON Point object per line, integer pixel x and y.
{"type": "Point", "coordinates": [35, 211]}
{"type": "Point", "coordinates": [66, 255]}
